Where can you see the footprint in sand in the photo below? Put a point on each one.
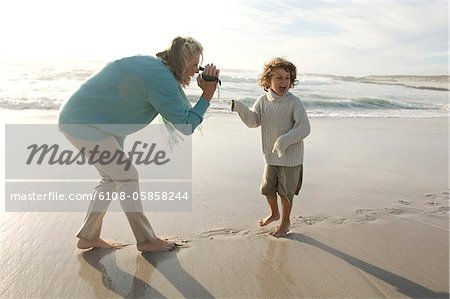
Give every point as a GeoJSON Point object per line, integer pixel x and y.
{"type": "Point", "coordinates": [222, 232]}
{"type": "Point", "coordinates": [444, 196]}
{"type": "Point", "coordinates": [311, 220]}
{"type": "Point", "coordinates": [366, 215]}
{"type": "Point", "coordinates": [443, 210]}
{"type": "Point", "coordinates": [394, 211]}
{"type": "Point", "coordinates": [337, 221]}
{"type": "Point", "coordinates": [438, 203]}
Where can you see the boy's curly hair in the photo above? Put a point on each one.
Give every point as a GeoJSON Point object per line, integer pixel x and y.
{"type": "Point", "coordinates": [264, 78]}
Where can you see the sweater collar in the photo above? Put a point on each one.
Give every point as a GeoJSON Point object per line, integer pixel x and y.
{"type": "Point", "coordinates": [273, 97]}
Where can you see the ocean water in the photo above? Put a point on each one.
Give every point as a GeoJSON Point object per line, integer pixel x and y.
{"type": "Point", "coordinates": [33, 86]}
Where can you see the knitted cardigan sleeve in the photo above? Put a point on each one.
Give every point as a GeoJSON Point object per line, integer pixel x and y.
{"type": "Point", "coordinates": [299, 131]}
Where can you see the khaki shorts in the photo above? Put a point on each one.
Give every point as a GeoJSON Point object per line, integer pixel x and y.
{"type": "Point", "coordinates": [284, 180]}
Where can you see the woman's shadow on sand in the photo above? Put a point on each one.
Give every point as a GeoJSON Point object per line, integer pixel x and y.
{"type": "Point", "coordinates": [128, 286]}
{"type": "Point", "coordinates": [403, 285]}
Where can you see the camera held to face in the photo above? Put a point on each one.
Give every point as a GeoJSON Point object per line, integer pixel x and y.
{"type": "Point", "coordinates": [208, 77]}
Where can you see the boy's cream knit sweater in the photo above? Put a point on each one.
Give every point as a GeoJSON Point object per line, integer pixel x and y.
{"type": "Point", "coordinates": [284, 124]}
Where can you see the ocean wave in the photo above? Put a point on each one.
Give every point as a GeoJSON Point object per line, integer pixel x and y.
{"type": "Point", "coordinates": [25, 103]}
{"type": "Point", "coordinates": [365, 103]}
{"type": "Point", "coordinates": [436, 83]}
{"type": "Point", "coordinates": [310, 80]}
{"type": "Point", "coordinates": [303, 80]}
{"type": "Point", "coordinates": [316, 106]}
{"type": "Point", "coordinates": [318, 96]}
{"type": "Point", "coordinates": [51, 75]}
{"type": "Point", "coordinates": [237, 79]}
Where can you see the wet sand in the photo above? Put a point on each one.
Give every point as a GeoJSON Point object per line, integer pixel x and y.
{"type": "Point", "coordinates": [371, 221]}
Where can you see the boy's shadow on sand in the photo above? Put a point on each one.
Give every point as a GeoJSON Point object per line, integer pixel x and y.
{"type": "Point", "coordinates": [129, 286]}
{"type": "Point", "coordinates": [403, 285]}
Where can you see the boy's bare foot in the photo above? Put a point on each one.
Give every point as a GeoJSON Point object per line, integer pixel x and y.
{"type": "Point", "coordinates": [159, 245]}
{"type": "Point", "coordinates": [282, 230]}
{"type": "Point", "coordinates": [84, 243]}
{"type": "Point", "coordinates": [268, 219]}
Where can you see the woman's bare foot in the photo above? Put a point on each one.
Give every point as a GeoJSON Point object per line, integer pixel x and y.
{"type": "Point", "coordinates": [84, 243]}
{"type": "Point", "coordinates": [268, 219]}
{"type": "Point", "coordinates": [282, 230]}
{"type": "Point", "coordinates": [159, 245]}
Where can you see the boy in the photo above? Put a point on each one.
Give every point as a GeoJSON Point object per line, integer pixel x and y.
{"type": "Point", "coordinates": [284, 124]}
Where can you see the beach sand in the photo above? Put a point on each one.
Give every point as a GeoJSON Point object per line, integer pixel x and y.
{"type": "Point", "coordinates": [371, 221]}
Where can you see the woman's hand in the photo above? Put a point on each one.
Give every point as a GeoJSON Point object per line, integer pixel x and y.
{"type": "Point", "coordinates": [208, 87]}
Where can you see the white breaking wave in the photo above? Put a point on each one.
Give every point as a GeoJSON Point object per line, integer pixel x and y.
{"type": "Point", "coordinates": [322, 95]}
{"type": "Point", "coordinates": [24, 103]}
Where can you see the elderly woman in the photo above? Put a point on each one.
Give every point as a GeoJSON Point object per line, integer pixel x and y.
{"type": "Point", "coordinates": [133, 90]}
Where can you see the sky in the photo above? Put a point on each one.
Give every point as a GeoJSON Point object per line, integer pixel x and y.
{"type": "Point", "coordinates": [354, 38]}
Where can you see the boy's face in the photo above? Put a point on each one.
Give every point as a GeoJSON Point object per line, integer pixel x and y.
{"type": "Point", "coordinates": [280, 81]}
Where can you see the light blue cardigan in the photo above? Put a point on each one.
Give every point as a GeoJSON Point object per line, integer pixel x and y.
{"type": "Point", "coordinates": [132, 90]}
